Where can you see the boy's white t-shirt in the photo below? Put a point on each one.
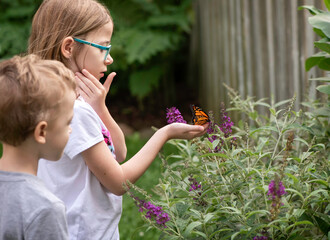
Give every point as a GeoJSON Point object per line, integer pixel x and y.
{"type": "Point", "coordinates": [92, 211]}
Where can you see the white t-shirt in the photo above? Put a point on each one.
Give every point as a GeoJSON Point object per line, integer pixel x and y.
{"type": "Point", "coordinates": [92, 211]}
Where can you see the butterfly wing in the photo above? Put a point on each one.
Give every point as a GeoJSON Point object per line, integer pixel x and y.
{"type": "Point", "coordinates": [199, 116]}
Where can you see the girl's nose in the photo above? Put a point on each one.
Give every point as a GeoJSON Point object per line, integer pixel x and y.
{"type": "Point", "coordinates": [108, 60]}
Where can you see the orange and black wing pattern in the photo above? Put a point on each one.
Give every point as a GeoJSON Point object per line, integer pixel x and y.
{"type": "Point", "coordinates": [199, 116]}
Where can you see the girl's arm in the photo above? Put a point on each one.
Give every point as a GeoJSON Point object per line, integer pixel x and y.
{"type": "Point", "coordinates": [95, 93]}
{"type": "Point", "coordinates": [112, 175]}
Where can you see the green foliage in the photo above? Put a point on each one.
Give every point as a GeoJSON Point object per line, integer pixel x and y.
{"type": "Point", "coordinates": [131, 226]}
{"type": "Point", "coordinates": [233, 200]}
{"type": "Point", "coordinates": [320, 21]}
{"type": "Point", "coordinates": [15, 22]}
{"type": "Point", "coordinates": [148, 38]}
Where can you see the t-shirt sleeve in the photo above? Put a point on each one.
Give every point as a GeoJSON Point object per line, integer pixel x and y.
{"type": "Point", "coordinates": [50, 223]}
{"type": "Point", "coordinates": [86, 129]}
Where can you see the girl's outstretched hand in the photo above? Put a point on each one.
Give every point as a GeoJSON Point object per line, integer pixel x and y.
{"type": "Point", "coordinates": [92, 90]}
{"type": "Point", "coordinates": [185, 131]}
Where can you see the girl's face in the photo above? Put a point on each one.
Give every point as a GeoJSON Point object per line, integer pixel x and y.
{"type": "Point", "coordinates": [92, 58]}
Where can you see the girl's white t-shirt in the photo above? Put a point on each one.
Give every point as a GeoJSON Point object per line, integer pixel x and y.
{"type": "Point", "coordinates": [92, 211]}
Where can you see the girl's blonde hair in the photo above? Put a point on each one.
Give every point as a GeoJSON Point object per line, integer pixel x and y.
{"type": "Point", "coordinates": [31, 91]}
{"type": "Point", "coordinates": [57, 19]}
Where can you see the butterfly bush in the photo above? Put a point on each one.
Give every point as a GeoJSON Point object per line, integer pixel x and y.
{"type": "Point", "coordinates": [216, 132]}
{"type": "Point", "coordinates": [174, 115]}
{"type": "Point", "coordinates": [153, 213]}
{"type": "Point", "coordinates": [268, 179]}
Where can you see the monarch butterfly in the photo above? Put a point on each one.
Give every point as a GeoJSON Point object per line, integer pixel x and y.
{"type": "Point", "coordinates": [199, 116]}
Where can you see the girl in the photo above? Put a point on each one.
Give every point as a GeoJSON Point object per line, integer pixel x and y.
{"type": "Point", "coordinates": [88, 178]}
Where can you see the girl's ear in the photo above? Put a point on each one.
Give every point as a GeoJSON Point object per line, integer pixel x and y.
{"type": "Point", "coordinates": [40, 132]}
{"type": "Point", "coordinates": [67, 47]}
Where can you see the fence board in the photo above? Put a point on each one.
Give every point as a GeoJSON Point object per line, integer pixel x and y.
{"type": "Point", "coordinates": [257, 47]}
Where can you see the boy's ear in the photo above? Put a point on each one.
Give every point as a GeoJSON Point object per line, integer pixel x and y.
{"type": "Point", "coordinates": [40, 132]}
{"type": "Point", "coordinates": [67, 47]}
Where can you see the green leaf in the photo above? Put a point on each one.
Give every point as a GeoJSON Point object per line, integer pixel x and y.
{"type": "Point", "coordinates": [190, 227]}
{"type": "Point", "coordinates": [208, 217]}
{"type": "Point", "coordinates": [324, 64]}
{"type": "Point", "coordinates": [200, 234]}
{"type": "Point", "coordinates": [321, 21]}
{"type": "Point", "coordinates": [322, 112]}
{"type": "Point", "coordinates": [327, 4]}
{"type": "Point", "coordinates": [296, 192]}
{"type": "Point", "coordinates": [320, 181]}
{"type": "Point", "coordinates": [314, 60]}
{"type": "Point", "coordinates": [324, 89]}
{"type": "Point", "coordinates": [142, 82]}
{"type": "Point", "coordinates": [323, 45]}
{"type": "Point", "coordinates": [265, 128]}
{"type": "Point", "coordinates": [301, 140]}
{"type": "Point", "coordinates": [299, 223]}
{"type": "Point", "coordinates": [261, 212]}
{"type": "Point", "coordinates": [295, 180]}
{"type": "Point", "coordinates": [234, 210]}
{"type": "Point", "coordinates": [215, 155]}
{"type": "Point", "coordinates": [282, 103]}
{"type": "Point", "coordinates": [323, 222]}
{"type": "Point", "coordinates": [319, 32]}
{"type": "Point", "coordinates": [313, 10]}
{"type": "Point", "coordinates": [321, 79]}
{"type": "Point", "coordinates": [316, 193]}
{"type": "Point", "coordinates": [142, 44]}
{"type": "Point", "coordinates": [219, 231]}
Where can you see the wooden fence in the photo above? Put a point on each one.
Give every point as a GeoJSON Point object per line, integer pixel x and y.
{"type": "Point", "coordinates": [257, 47]}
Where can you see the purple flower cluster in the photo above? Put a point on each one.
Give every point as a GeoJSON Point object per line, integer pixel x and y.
{"type": "Point", "coordinates": [174, 115]}
{"type": "Point", "coordinates": [152, 212]}
{"type": "Point", "coordinates": [275, 191]}
{"type": "Point", "coordinates": [211, 130]}
{"type": "Point", "coordinates": [262, 236]}
{"type": "Point", "coordinates": [197, 189]}
{"type": "Point", "coordinates": [194, 184]}
{"type": "Point", "coordinates": [226, 122]}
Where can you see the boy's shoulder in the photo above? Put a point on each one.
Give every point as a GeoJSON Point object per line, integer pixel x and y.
{"type": "Point", "coordinates": [28, 187]}
{"type": "Point", "coordinates": [28, 206]}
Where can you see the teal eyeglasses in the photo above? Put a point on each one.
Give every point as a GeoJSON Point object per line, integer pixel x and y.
{"type": "Point", "coordinates": [106, 48]}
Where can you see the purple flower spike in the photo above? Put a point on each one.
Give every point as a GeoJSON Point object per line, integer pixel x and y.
{"type": "Point", "coordinates": [173, 115]}
{"type": "Point", "coordinates": [153, 212]}
{"type": "Point", "coordinates": [274, 191]}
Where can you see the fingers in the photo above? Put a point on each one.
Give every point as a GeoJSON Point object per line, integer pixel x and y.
{"type": "Point", "coordinates": [108, 81]}
{"type": "Point", "coordinates": [93, 83]}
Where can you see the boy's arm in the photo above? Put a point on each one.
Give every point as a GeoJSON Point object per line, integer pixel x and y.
{"type": "Point", "coordinates": [112, 175]}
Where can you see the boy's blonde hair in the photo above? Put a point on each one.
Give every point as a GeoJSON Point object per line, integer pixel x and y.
{"type": "Point", "coordinates": [31, 89]}
{"type": "Point", "coordinates": [57, 19]}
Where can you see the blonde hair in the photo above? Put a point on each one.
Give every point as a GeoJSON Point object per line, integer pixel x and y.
{"type": "Point", "coordinates": [31, 90]}
{"type": "Point", "coordinates": [57, 19]}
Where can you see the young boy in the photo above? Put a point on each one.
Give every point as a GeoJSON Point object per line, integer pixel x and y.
{"type": "Point", "coordinates": [36, 108]}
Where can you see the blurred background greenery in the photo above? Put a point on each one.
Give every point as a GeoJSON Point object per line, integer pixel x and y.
{"type": "Point", "coordinates": [150, 48]}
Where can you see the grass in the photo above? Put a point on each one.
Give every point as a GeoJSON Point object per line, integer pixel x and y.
{"type": "Point", "coordinates": [131, 225]}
